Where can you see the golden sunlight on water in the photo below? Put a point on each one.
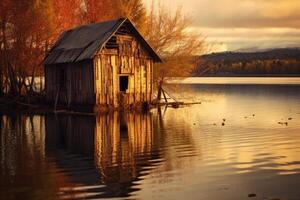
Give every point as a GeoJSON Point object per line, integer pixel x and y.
{"type": "Point", "coordinates": [237, 80]}
{"type": "Point", "coordinates": [254, 151]}
{"type": "Point", "coordinates": [240, 140]}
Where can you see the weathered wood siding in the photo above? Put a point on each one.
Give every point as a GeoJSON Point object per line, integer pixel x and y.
{"type": "Point", "coordinates": [79, 84]}
{"type": "Point", "coordinates": [126, 58]}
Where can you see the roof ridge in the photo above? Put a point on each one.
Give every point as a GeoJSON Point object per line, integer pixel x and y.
{"type": "Point", "coordinates": [95, 23]}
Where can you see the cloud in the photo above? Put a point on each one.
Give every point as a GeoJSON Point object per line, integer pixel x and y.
{"type": "Point", "coordinates": [235, 24]}
{"type": "Point", "coordinates": [237, 38]}
{"type": "Point", "coordinates": [240, 13]}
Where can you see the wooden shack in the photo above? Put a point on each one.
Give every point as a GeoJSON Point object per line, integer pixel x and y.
{"type": "Point", "coordinates": [100, 64]}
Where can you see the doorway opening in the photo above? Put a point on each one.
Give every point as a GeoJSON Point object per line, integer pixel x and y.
{"type": "Point", "coordinates": [123, 83]}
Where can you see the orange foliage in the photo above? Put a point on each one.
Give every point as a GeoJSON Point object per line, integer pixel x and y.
{"type": "Point", "coordinates": [96, 11]}
{"type": "Point", "coordinates": [67, 14]}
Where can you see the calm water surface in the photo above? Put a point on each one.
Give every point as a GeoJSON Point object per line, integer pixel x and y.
{"type": "Point", "coordinates": [181, 153]}
{"type": "Point", "coordinates": [238, 80]}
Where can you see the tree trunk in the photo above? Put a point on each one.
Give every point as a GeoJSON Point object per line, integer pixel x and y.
{"type": "Point", "coordinates": [1, 81]}
{"type": "Point", "coordinates": [4, 56]}
{"type": "Point", "coordinates": [13, 80]}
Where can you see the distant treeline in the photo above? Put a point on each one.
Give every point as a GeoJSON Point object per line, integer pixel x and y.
{"type": "Point", "coordinates": [272, 62]}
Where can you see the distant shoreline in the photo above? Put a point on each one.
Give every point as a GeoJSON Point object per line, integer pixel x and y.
{"type": "Point", "coordinates": [276, 62]}
{"type": "Point", "coordinates": [237, 80]}
{"type": "Point", "coordinates": [250, 75]}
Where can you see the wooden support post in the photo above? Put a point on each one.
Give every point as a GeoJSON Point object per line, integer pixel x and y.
{"type": "Point", "coordinates": [164, 94]}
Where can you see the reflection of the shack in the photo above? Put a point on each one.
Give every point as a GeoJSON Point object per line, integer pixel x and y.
{"type": "Point", "coordinates": [110, 150]}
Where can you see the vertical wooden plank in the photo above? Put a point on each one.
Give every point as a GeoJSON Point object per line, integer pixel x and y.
{"type": "Point", "coordinates": [141, 82]}
{"type": "Point", "coordinates": [134, 81]}
{"type": "Point", "coordinates": [69, 84]}
{"type": "Point", "coordinates": [148, 80]}
{"type": "Point", "coordinates": [97, 80]}
{"type": "Point", "coordinates": [138, 78]}
{"type": "Point", "coordinates": [110, 83]}
{"type": "Point", "coordinates": [115, 80]}
{"type": "Point", "coordinates": [106, 77]}
{"type": "Point", "coordinates": [137, 83]}
{"type": "Point", "coordinates": [96, 77]}
{"type": "Point", "coordinates": [151, 80]}
{"type": "Point", "coordinates": [100, 80]}
{"type": "Point", "coordinates": [141, 86]}
{"type": "Point", "coordinates": [130, 80]}
{"type": "Point", "coordinates": [103, 79]}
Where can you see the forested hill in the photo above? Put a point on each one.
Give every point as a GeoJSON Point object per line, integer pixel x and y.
{"type": "Point", "coordinates": [273, 62]}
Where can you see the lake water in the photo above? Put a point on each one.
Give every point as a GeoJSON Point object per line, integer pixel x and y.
{"type": "Point", "coordinates": [238, 80]}
{"type": "Point", "coordinates": [241, 141]}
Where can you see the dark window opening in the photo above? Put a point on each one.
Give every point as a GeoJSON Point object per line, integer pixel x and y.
{"type": "Point", "coordinates": [112, 43]}
{"type": "Point", "coordinates": [123, 83]}
{"type": "Point", "coordinates": [124, 30]}
{"type": "Point", "coordinates": [62, 79]}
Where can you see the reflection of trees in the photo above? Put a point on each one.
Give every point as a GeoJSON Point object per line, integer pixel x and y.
{"type": "Point", "coordinates": [21, 155]}
{"type": "Point", "coordinates": [21, 141]}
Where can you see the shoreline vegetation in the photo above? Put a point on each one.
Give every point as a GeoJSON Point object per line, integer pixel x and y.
{"type": "Point", "coordinates": [269, 63]}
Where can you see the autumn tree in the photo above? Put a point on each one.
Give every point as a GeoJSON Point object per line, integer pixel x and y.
{"type": "Point", "coordinates": [67, 15]}
{"type": "Point", "coordinates": [97, 11]}
{"type": "Point", "coordinates": [169, 35]}
{"type": "Point", "coordinates": [5, 17]}
{"type": "Point", "coordinates": [135, 11]}
{"type": "Point", "coordinates": [26, 25]}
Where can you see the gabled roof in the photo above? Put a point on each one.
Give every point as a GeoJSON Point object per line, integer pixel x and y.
{"type": "Point", "coordinates": [83, 42]}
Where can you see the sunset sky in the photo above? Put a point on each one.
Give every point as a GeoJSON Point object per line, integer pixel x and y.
{"type": "Point", "coordinates": [244, 24]}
